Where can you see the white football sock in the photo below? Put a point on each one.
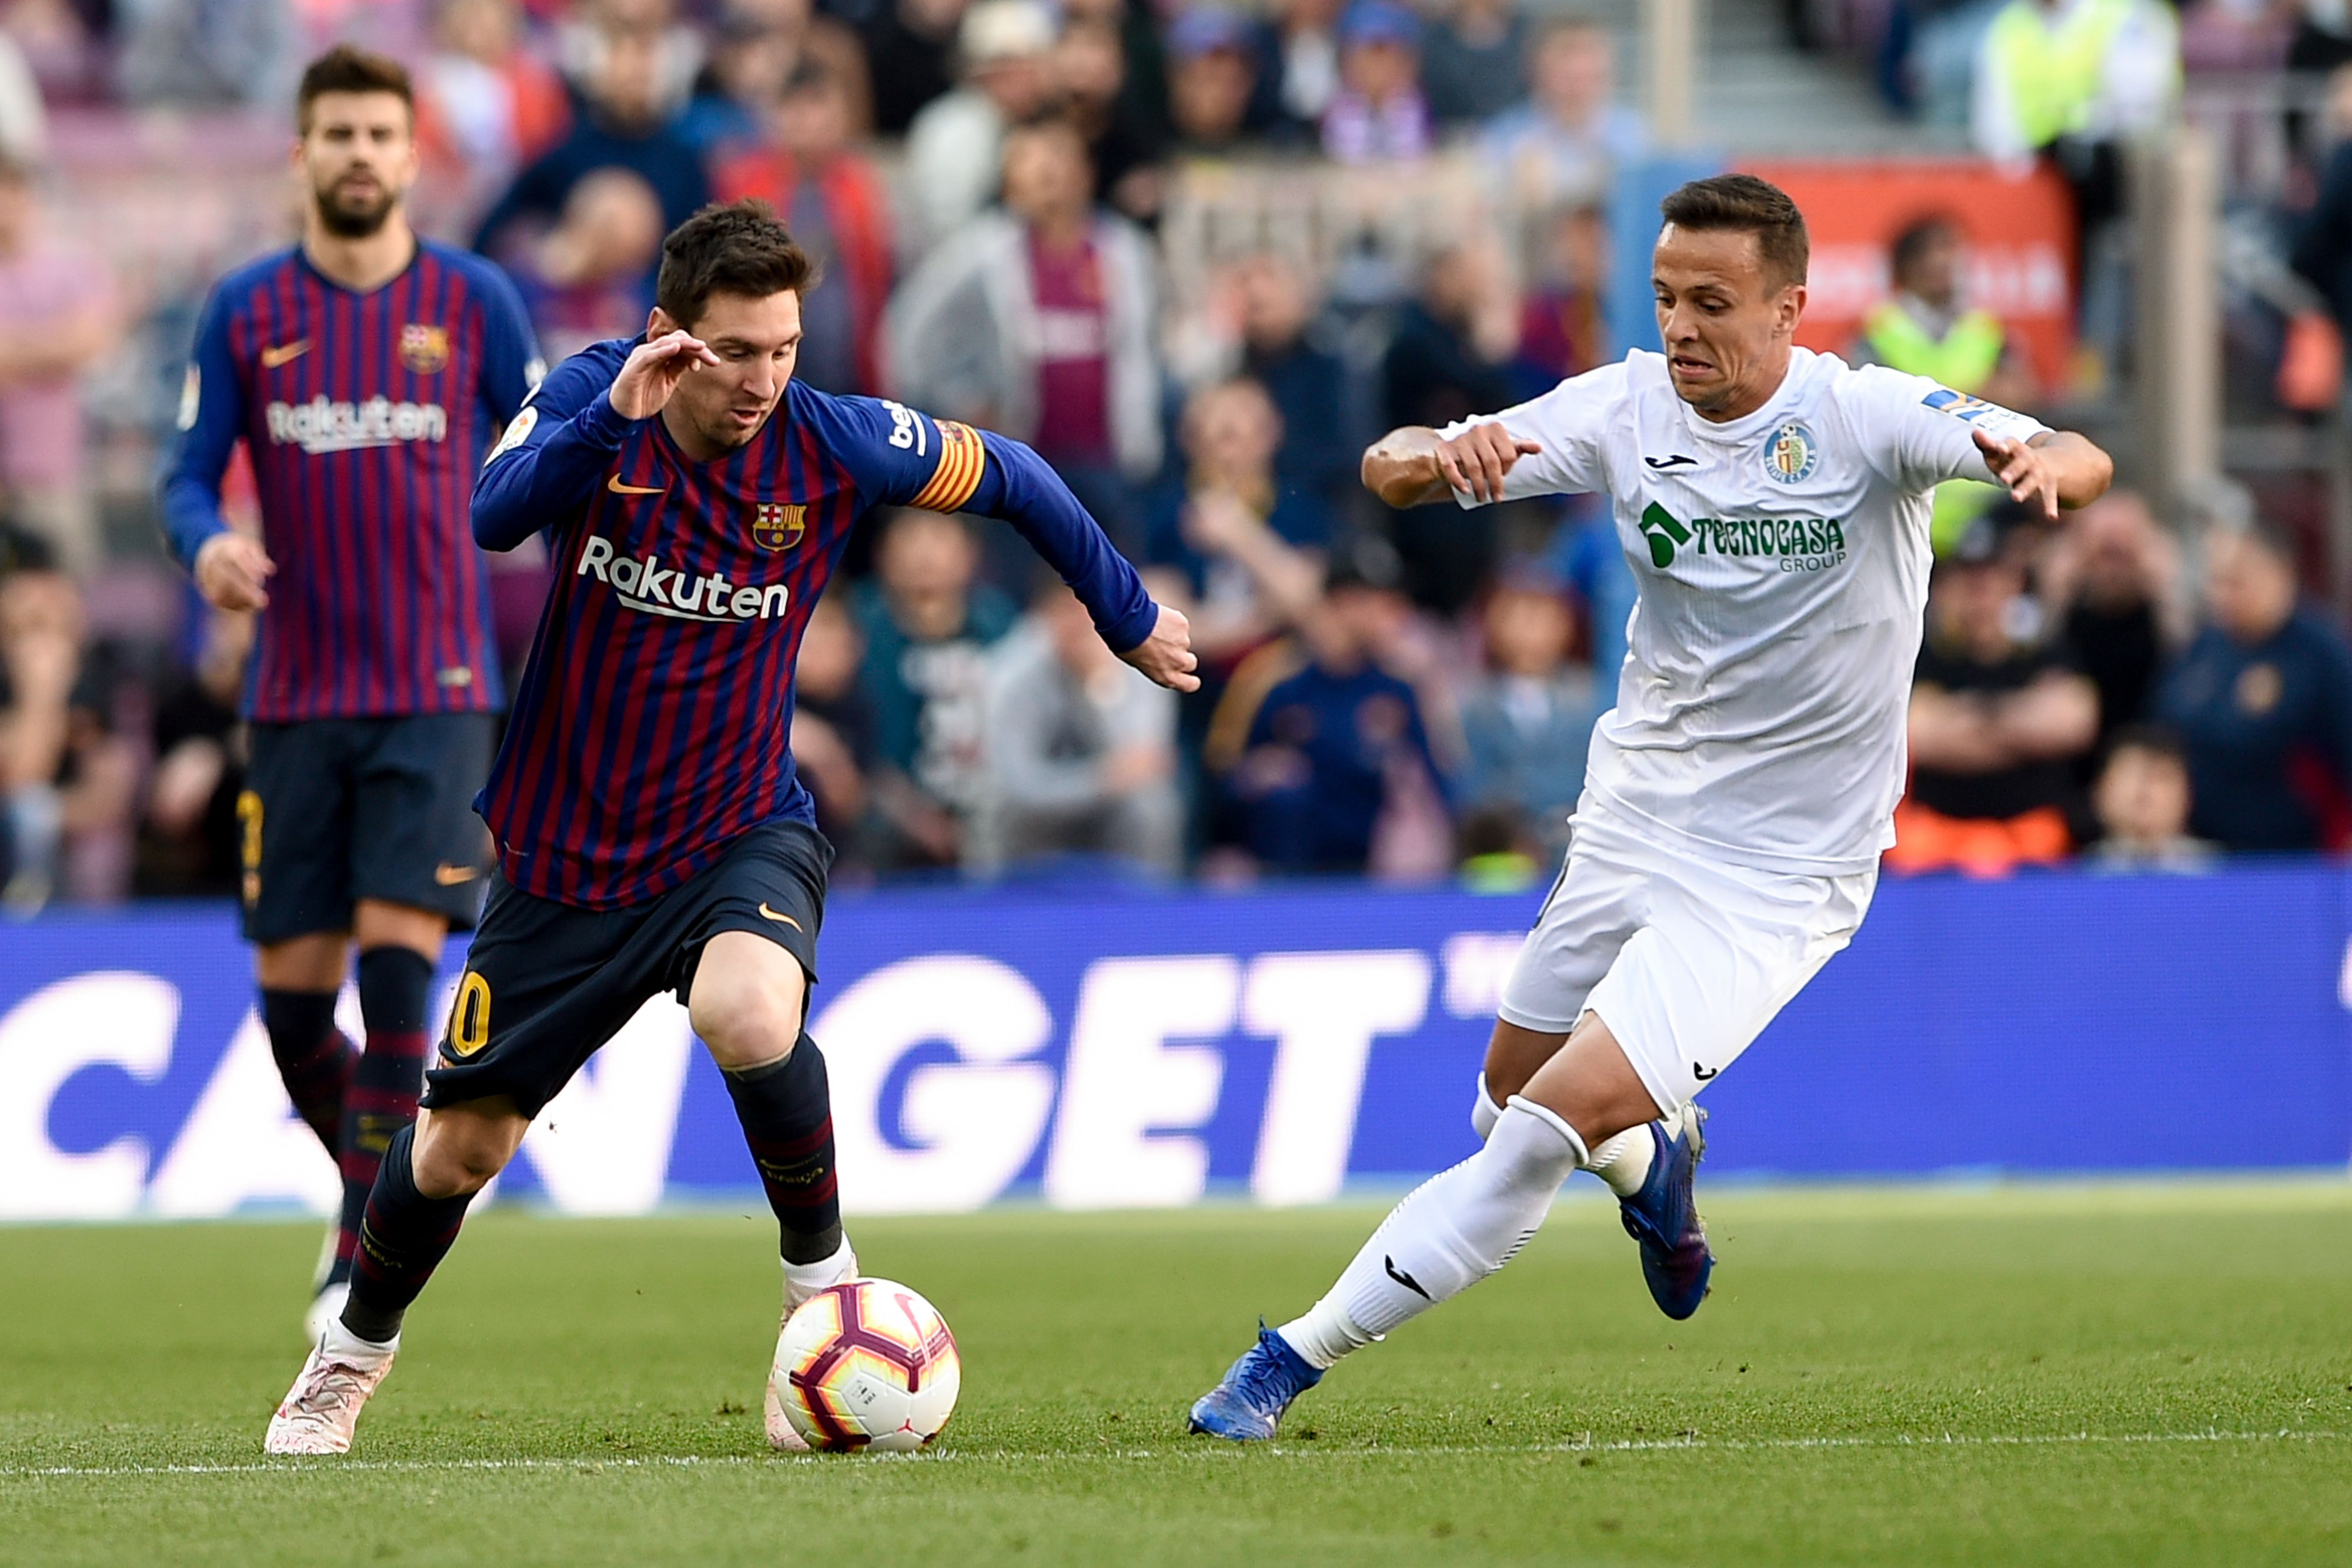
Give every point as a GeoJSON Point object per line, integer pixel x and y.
{"type": "Point", "coordinates": [1456, 1228]}
{"type": "Point", "coordinates": [1483, 1111]}
{"type": "Point", "coordinates": [339, 1343]}
{"type": "Point", "coordinates": [1623, 1162]}
{"type": "Point", "coordinates": [803, 1280]}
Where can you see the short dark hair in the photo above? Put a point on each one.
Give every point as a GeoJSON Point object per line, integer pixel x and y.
{"type": "Point", "coordinates": [1913, 243]}
{"type": "Point", "coordinates": [2156, 739]}
{"type": "Point", "coordinates": [737, 248]}
{"type": "Point", "coordinates": [1751, 205]}
{"type": "Point", "coordinates": [347, 67]}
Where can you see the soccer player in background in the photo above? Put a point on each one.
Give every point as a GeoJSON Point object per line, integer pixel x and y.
{"type": "Point", "coordinates": [1774, 504]}
{"type": "Point", "coordinates": [367, 371]}
{"type": "Point", "coordinates": [652, 835]}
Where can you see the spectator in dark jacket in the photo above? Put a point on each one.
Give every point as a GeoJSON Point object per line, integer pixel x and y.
{"type": "Point", "coordinates": [619, 122]}
{"type": "Point", "coordinates": [2262, 700]}
{"type": "Point", "coordinates": [1451, 359]}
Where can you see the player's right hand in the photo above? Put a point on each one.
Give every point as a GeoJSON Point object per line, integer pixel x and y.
{"type": "Point", "coordinates": [1167, 654]}
{"type": "Point", "coordinates": [1476, 460]}
{"type": "Point", "coordinates": [230, 570]}
{"type": "Point", "coordinates": [653, 372]}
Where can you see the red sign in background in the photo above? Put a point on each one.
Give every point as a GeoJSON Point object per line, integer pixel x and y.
{"type": "Point", "coordinates": [2021, 244]}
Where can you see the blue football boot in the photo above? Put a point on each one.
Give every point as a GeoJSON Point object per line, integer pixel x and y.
{"type": "Point", "coordinates": [1248, 1404]}
{"type": "Point", "coordinates": [1664, 1216]}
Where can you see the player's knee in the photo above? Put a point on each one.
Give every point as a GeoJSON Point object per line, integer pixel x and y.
{"type": "Point", "coordinates": [457, 1157]}
{"type": "Point", "coordinates": [747, 1020]}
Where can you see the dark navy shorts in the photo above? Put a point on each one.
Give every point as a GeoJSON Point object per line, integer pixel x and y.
{"type": "Point", "coordinates": [547, 984]}
{"type": "Point", "coordinates": [339, 810]}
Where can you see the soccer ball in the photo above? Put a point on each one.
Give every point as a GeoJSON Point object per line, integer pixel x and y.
{"type": "Point", "coordinates": [867, 1363]}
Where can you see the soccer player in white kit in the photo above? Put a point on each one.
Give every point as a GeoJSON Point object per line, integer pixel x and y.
{"type": "Point", "coordinates": [1774, 504]}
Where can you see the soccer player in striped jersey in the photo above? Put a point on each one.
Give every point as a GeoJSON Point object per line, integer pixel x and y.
{"type": "Point", "coordinates": [367, 372]}
{"type": "Point", "coordinates": [652, 836]}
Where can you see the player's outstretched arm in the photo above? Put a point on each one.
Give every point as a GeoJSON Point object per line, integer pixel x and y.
{"type": "Point", "coordinates": [2055, 469]}
{"type": "Point", "coordinates": [1414, 467]}
{"type": "Point", "coordinates": [1017, 485]}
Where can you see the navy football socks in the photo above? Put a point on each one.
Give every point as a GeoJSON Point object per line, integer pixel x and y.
{"type": "Point", "coordinates": [314, 1059]}
{"type": "Point", "coordinates": [402, 1237]}
{"type": "Point", "coordinates": [396, 986]}
{"type": "Point", "coordinates": [786, 1109]}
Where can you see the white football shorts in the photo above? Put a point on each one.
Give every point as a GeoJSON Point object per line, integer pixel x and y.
{"type": "Point", "coordinates": [1685, 959]}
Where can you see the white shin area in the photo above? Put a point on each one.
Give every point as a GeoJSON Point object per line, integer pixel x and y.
{"type": "Point", "coordinates": [1451, 1232]}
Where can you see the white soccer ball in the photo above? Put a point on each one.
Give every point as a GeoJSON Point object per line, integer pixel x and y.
{"type": "Point", "coordinates": [866, 1364]}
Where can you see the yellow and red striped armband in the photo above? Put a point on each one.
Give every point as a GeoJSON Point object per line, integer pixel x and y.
{"type": "Point", "coordinates": [963, 460]}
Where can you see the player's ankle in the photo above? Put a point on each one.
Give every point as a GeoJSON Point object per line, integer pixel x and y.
{"type": "Point", "coordinates": [1622, 1162]}
{"type": "Point", "coordinates": [344, 1344]}
{"type": "Point", "coordinates": [1324, 1335]}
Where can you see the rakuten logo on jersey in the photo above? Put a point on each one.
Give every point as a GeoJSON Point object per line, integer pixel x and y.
{"type": "Point", "coordinates": [320, 426]}
{"type": "Point", "coordinates": [657, 589]}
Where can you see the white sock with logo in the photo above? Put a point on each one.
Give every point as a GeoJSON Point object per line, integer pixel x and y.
{"type": "Point", "coordinates": [1623, 1162]}
{"type": "Point", "coordinates": [339, 1343]}
{"type": "Point", "coordinates": [1483, 1110]}
{"type": "Point", "coordinates": [1454, 1230]}
{"type": "Point", "coordinates": [803, 1280]}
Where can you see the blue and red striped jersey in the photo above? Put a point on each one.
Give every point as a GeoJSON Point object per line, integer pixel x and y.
{"type": "Point", "coordinates": [652, 725]}
{"type": "Point", "coordinates": [366, 416]}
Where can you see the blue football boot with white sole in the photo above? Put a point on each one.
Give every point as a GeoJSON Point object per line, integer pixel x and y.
{"type": "Point", "coordinates": [1248, 1404]}
{"type": "Point", "coordinates": [1664, 1216]}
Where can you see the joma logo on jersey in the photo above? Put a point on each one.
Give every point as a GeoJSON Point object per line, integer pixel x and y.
{"type": "Point", "coordinates": [1797, 544]}
{"type": "Point", "coordinates": [321, 426]}
{"type": "Point", "coordinates": [649, 586]}
{"type": "Point", "coordinates": [778, 527]}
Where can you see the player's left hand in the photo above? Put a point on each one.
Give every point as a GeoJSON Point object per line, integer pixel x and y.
{"type": "Point", "coordinates": [1167, 654]}
{"type": "Point", "coordinates": [2023, 468]}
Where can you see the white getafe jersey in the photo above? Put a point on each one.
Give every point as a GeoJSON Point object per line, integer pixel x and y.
{"type": "Point", "coordinates": [1782, 561]}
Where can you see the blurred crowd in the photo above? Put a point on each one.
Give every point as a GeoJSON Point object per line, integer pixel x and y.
{"type": "Point", "coordinates": [986, 183]}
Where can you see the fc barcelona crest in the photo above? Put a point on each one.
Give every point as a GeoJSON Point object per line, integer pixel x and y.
{"type": "Point", "coordinates": [778, 527]}
{"type": "Point", "coordinates": [423, 349]}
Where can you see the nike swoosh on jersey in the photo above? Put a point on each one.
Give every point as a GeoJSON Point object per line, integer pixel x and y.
{"type": "Point", "coordinates": [615, 484]}
{"type": "Point", "coordinates": [1676, 461]}
{"type": "Point", "coordinates": [786, 919]}
{"type": "Point", "coordinates": [283, 353]}
{"type": "Point", "coordinates": [449, 875]}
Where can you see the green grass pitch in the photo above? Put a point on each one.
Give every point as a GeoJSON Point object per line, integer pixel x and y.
{"type": "Point", "coordinates": [2077, 1376]}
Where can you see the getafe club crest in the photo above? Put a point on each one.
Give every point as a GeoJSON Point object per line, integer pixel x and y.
{"type": "Point", "coordinates": [423, 349]}
{"type": "Point", "coordinates": [1792, 455]}
{"type": "Point", "coordinates": [777, 527]}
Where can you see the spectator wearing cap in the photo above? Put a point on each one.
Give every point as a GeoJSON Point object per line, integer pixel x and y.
{"type": "Point", "coordinates": [1378, 115]}
{"type": "Point", "coordinates": [1212, 77]}
{"type": "Point", "coordinates": [1527, 718]}
{"type": "Point", "coordinates": [1081, 752]}
{"type": "Point", "coordinates": [1298, 69]}
{"type": "Point", "coordinates": [2142, 800]}
{"type": "Point", "coordinates": [1566, 144]}
{"type": "Point", "coordinates": [1473, 61]}
{"type": "Point", "coordinates": [838, 208]}
{"type": "Point", "coordinates": [1037, 320]}
{"type": "Point", "coordinates": [1997, 722]}
{"type": "Point", "coordinates": [621, 119]}
{"type": "Point", "coordinates": [1315, 741]}
{"type": "Point", "coordinates": [955, 147]}
{"type": "Point", "coordinates": [2261, 699]}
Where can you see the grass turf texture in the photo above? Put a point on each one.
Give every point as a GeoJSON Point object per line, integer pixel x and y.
{"type": "Point", "coordinates": [2133, 1375]}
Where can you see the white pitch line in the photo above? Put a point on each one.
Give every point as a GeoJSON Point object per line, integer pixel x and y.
{"type": "Point", "coordinates": [1191, 1450]}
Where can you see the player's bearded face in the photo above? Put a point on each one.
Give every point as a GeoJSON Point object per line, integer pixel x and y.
{"type": "Point", "coordinates": [758, 341]}
{"type": "Point", "coordinates": [1726, 322]}
{"type": "Point", "coordinates": [358, 154]}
